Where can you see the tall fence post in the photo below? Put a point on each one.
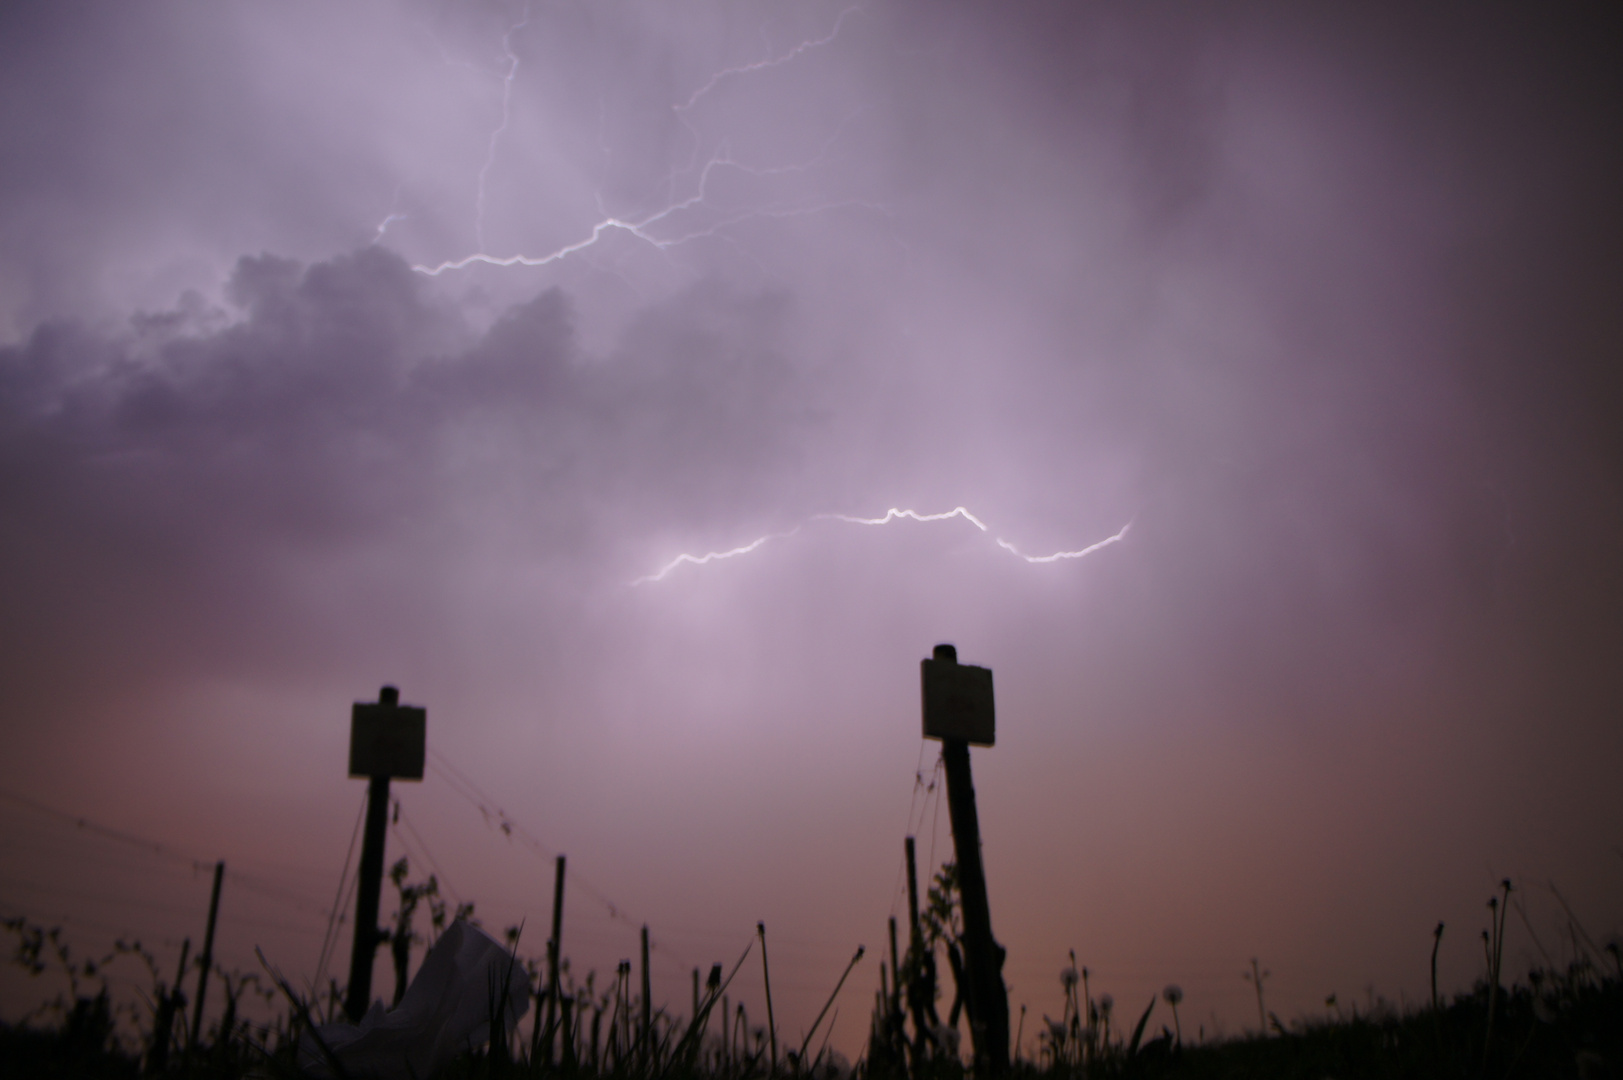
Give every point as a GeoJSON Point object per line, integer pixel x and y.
{"type": "Point", "coordinates": [385, 740]}
{"type": "Point", "coordinates": [958, 710]}
{"type": "Point", "coordinates": [554, 954]}
{"type": "Point", "coordinates": [207, 959]}
{"type": "Point", "coordinates": [368, 894]}
{"type": "Point", "coordinates": [915, 936]}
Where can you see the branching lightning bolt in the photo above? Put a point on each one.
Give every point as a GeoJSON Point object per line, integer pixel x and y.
{"type": "Point", "coordinates": [761, 65]}
{"type": "Point", "coordinates": [501, 128]}
{"type": "Point", "coordinates": [641, 226]}
{"type": "Point", "coordinates": [889, 516]}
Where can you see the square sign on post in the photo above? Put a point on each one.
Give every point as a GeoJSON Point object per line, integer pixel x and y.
{"type": "Point", "coordinates": [387, 740]}
{"type": "Point", "coordinates": [958, 702]}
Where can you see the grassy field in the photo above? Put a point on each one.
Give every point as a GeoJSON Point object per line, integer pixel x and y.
{"type": "Point", "coordinates": [1570, 1025]}
{"type": "Point", "coordinates": [1549, 1023]}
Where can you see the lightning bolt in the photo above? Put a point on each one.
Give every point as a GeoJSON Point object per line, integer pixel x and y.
{"type": "Point", "coordinates": [643, 227]}
{"type": "Point", "coordinates": [710, 557]}
{"type": "Point", "coordinates": [639, 229]}
{"type": "Point", "coordinates": [1058, 555]}
{"type": "Point", "coordinates": [761, 65]}
{"type": "Point", "coordinates": [500, 129]}
{"type": "Point", "coordinates": [383, 226]}
{"type": "Point", "coordinates": [893, 514]}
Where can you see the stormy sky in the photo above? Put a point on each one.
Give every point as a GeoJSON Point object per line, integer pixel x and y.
{"type": "Point", "coordinates": [402, 341]}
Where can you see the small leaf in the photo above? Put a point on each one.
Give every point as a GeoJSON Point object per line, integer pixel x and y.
{"type": "Point", "coordinates": [1138, 1030]}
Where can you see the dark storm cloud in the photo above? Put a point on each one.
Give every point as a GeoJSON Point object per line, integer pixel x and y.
{"type": "Point", "coordinates": [179, 471]}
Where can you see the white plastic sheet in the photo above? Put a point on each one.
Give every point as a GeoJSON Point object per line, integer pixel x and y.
{"type": "Point", "coordinates": [445, 1011]}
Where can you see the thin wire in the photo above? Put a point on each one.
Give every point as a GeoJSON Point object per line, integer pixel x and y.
{"type": "Point", "coordinates": [265, 888]}
{"type": "Point", "coordinates": [935, 821]}
{"type": "Point", "coordinates": [913, 802]}
{"type": "Point", "coordinates": [165, 851]}
{"type": "Point", "coordinates": [428, 856]}
{"type": "Point", "coordinates": [495, 816]}
{"type": "Point", "coordinates": [932, 802]}
{"type": "Point", "coordinates": [93, 924]}
{"type": "Point", "coordinates": [330, 938]}
{"type": "Point", "coordinates": [460, 783]}
{"type": "Point", "coordinates": [932, 791]}
{"type": "Point", "coordinates": [92, 897]}
{"type": "Point", "coordinates": [151, 846]}
{"type": "Point", "coordinates": [349, 898]}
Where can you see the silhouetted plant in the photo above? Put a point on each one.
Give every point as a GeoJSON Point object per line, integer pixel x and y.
{"type": "Point", "coordinates": [1174, 996]}
{"type": "Point", "coordinates": [402, 937]}
{"type": "Point", "coordinates": [1256, 976]}
{"type": "Point", "coordinates": [1559, 1021]}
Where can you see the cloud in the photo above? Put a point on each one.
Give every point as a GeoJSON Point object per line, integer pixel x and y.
{"type": "Point", "coordinates": [183, 479]}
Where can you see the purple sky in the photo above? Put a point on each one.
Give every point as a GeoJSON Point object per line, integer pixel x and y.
{"type": "Point", "coordinates": [1325, 304]}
